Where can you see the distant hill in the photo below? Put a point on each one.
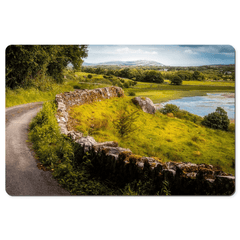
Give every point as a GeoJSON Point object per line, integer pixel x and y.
{"type": "Point", "coordinates": [127, 63]}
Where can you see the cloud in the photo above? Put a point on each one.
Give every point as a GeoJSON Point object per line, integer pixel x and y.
{"type": "Point", "coordinates": [214, 49]}
{"type": "Point", "coordinates": [128, 50]}
{"type": "Point", "coordinates": [189, 51]}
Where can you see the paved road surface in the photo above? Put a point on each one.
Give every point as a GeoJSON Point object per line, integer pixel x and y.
{"type": "Point", "coordinates": [23, 178]}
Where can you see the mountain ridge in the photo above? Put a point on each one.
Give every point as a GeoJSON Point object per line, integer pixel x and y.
{"type": "Point", "coordinates": [127, 63]}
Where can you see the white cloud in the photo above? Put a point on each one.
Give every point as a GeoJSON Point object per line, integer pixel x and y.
{"type": "Point", "coordinates": [127, 50]}
{"type": "Point", "coordinates": [189, 51]}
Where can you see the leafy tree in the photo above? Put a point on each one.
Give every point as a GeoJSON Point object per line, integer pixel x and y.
{"type": "Point", "coordinates": [153, 76]}
{"type": "Point", "coordinates": [31, 61]}
{"type": "Point", "coordinates": [198, 76]}
{"type": "Point", "coordinates": [176, 80]}
{"type": "Point", "coordinates": [217, 120]}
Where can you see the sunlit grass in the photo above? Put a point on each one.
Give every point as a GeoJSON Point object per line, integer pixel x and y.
{"type": "Point", "coordinates": [157, 92]}
{"type": "Point", "coordinates": [158, 135]}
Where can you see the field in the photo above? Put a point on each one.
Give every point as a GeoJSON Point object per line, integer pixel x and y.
{"type": "Point", "coordinates": [157, 92]}
{"type": "Point", "coordinates": [165, 92]}
{"type": "Point", "coordinates": [158, 135]}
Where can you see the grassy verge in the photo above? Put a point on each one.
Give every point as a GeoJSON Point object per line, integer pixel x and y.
{"type": "Point", "coordinates": [157, 135]}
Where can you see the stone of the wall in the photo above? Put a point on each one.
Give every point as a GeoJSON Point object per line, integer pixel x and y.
{"type": "Point", "coordinates": [79, 97]}
{"type": "Point", "coordinates": [121, 164]}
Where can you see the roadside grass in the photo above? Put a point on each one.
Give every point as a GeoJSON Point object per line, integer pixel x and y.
{"type": "Point", "coordinates": [169, 138]}
{"type": "Point", "coordinates": [22, 96]}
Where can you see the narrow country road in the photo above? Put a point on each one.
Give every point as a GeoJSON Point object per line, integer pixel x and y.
{"type": "Point", "coordinates": [23, 178]}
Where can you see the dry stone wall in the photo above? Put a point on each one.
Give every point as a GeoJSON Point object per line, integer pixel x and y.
{"type": "Point", "coordinates": [122, 165]}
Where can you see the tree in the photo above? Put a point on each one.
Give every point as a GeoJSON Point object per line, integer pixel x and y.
{"type": "Point", "coordinates": [153, 76]}
{"type": "Point", "coordinates": [198, 76]}
{"type": "Point", "coordinates": [176, 80]}
{"type": "Point", "coordinates": [217, 120]}
{"type": "Point", "coordinates": [30, 61]}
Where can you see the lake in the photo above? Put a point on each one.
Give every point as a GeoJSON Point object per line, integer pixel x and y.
{"type": "Point", "coordinates": [203, 105]}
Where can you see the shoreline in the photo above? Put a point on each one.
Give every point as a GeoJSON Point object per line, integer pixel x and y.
{"type": "Point", "coordinates": [158, 106]}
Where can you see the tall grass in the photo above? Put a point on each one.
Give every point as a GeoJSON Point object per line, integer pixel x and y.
{"type": "Point", "coordinates": [158, 135]}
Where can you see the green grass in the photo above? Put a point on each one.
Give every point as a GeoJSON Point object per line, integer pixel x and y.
{"type": "Point", "coordinates": [72, 169]}
{"type": "Point", "coordinates": [158, 135]}
{"type": "Point", "coordinates": [157, 92]}
{"type": "Point", "coordinates": [165, 92]}
{"type": "Point", "coordinates": [22, 96]}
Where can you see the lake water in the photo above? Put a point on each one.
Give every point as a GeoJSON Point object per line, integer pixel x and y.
{"type": "Point", "coordinates": [203, 105]}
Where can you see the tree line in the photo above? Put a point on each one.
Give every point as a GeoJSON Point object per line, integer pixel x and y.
{"type": "Point", "coordinates": [156, 74]}
{"type": "Point", "coordinates": [25, 63]}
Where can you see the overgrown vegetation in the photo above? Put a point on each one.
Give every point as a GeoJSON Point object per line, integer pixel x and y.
{"type": "Point", "coordinates": [166, 137]}
{"type": "Point", "coordinates": [174, 111]}
{"type": "Point", "coordinates": [217, 120]}
{"type": "Point", "coordinates": [70, 166]}
{"type": "Point", "coordinates": [125, 122]}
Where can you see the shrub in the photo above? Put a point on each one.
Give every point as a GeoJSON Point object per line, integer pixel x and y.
{"type": "Point", "coordinates": [89, 76]}
{"type": "Point", "coordinates": [131, 94]}
{"type": "Point", "coordinates": [176, 80]}
{"type": "Point", "coordinates": [126, 85]}
{"type": "Point", "coordinates": [170, 115]}
{"type": "Point", "coordinates": [217, 120]}
{"type": "Point", "coordinates": [231, 127]}
{"type": "Point", "coordinates": [124, 124]}
{"type": "Point", "coordinates": [169, 108]}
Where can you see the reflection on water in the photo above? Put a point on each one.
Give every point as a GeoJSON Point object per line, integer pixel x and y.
{"type": "Point", "coordinates": [203, 105]}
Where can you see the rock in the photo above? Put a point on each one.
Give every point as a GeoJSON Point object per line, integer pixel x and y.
{"type": "Point", "coordinates": [86, 143]}
{"type": "Point", "coordinates": [145, 103]}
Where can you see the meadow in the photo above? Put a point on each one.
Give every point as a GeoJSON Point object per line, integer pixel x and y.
{"type": "Point", "coordinates": [164, 92]}
{"type": "Point", "coordinates": [169, 138]}
{"type": "Point", "coordinates": [79, 80]}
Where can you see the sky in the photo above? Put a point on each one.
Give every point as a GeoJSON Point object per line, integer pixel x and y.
{"type": "Point", "coordinates": [170, 55]}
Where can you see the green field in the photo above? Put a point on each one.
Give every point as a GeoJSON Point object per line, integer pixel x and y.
{"type": "Point", "coordinates": [157, 92]}
{"type": "Point", "coordinates": [158, 135]}
{"type": "Point", "coordinates": [164, 92]}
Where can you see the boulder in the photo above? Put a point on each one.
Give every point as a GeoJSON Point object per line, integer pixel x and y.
{"type": "Point", "coordinates": [146, 104]}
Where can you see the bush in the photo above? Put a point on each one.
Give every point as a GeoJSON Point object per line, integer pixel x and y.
{"type": "Point", "coordinates": [231, 127]}
{"type": "Point", "coordinates": [126, 85]}
{"type": "Point", "coordinates": [176, 80]}
{"type": "Point", "coordinates": [89, 76]}
{"type": "Point", "coordinates": [217, 120]}
{"type": "Point", "coordinates": [169, 108]}
{"type": "Point", "coordinates": [124, 124]}
{"type": "Point", "coordinates": [131, 94]}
